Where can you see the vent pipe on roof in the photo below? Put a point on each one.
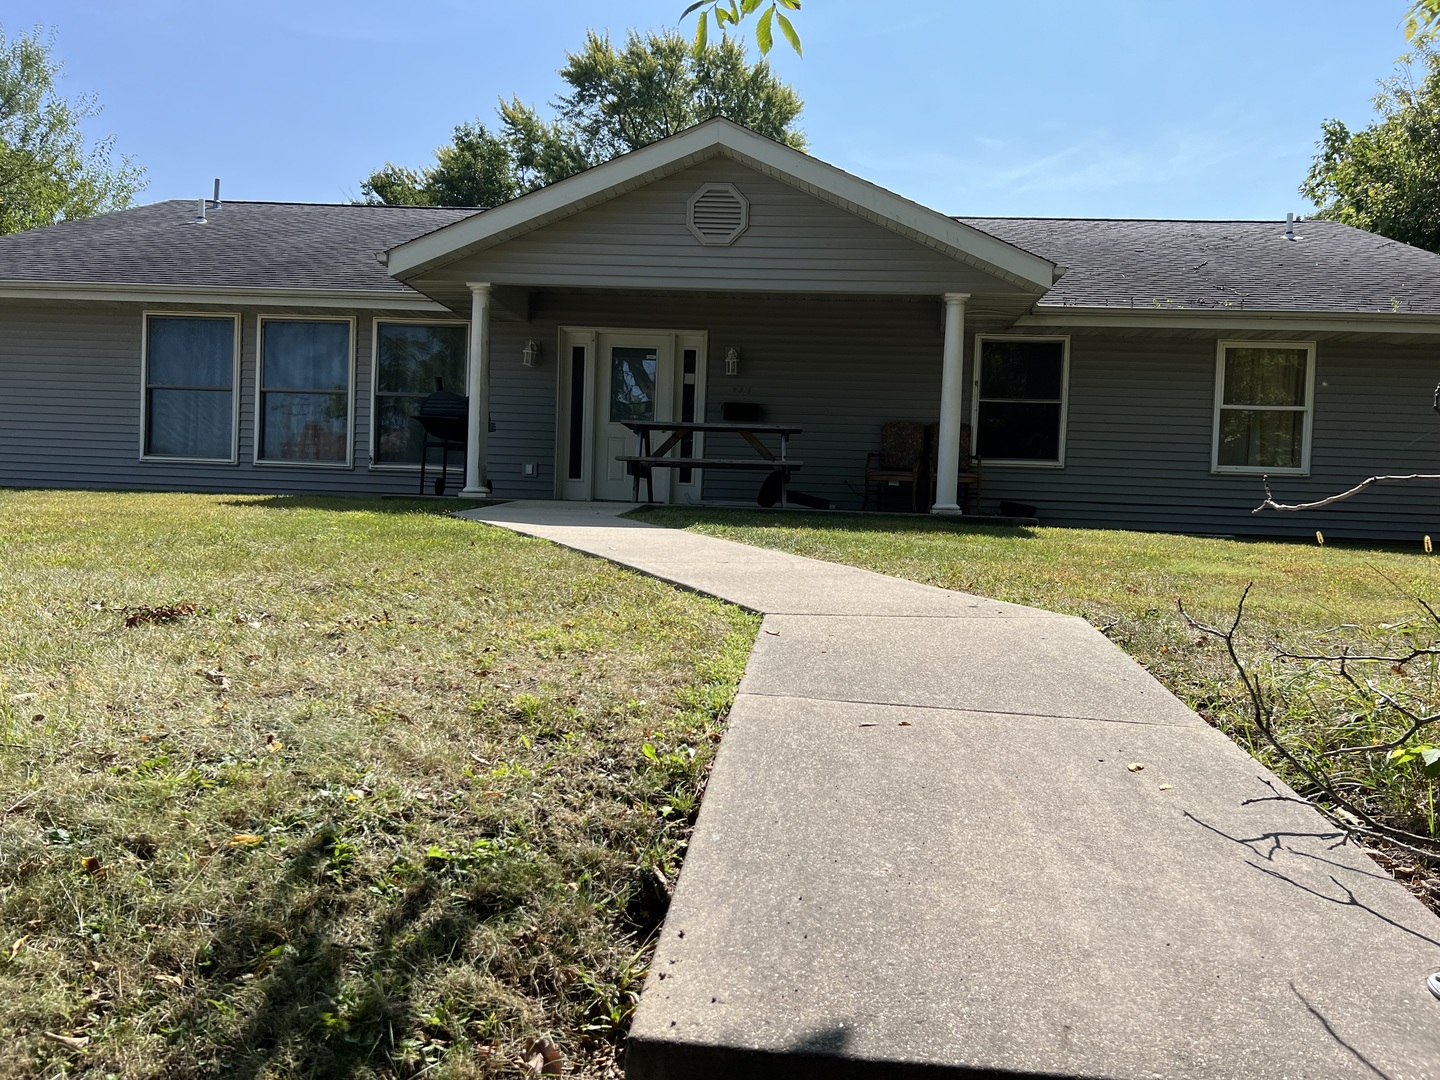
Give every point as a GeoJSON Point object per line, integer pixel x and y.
{"type": "Point", "coordinates": [1289, 226]}
{"type": "Point", "coordinates": [216, 200]}
{"type": "Point", "coordinates": [200, 218]}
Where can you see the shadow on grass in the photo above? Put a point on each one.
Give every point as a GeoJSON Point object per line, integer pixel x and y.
{"type": "Point", "coordinates": [393, 504]}
{"type": "Point", "coordinates": [294, 987]}
{"type": "Point", "coordinates": [682, 517]}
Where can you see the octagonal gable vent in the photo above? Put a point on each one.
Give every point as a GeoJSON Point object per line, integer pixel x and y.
{"type": "Point", "coordinates": [718, 214]}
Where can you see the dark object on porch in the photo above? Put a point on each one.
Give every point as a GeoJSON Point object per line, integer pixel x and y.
{"type": "Point", "coordinates": [770, 495]}
{"type": "Point", "coordinates": [1019, 510]}
{"type": "Point", "coordinates": [741, 412]}
{"type": "Point", "coordinates": [969, 475]}
{"type": "Point", "coordinates": [901, 459]}
{"type": "Point", "coordinates": [445, 418]}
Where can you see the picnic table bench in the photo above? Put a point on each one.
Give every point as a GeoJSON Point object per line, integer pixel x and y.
{"type": "Point", "coordinates": [645, 460]}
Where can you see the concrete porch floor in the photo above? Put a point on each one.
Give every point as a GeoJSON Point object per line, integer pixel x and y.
{"type": "Point", "coordinates": [923, 852]}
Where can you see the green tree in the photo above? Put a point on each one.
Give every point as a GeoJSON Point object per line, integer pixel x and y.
{"type": "Point", "coordinates": [48, 172]}
{"type": "Point", "coordinates": [1385, 178]}
{"type": "Point", "coordinates": [619, 100]}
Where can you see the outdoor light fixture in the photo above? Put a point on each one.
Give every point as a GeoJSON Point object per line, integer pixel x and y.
{"type": "Point", "coordinates": [530, 353]}
{"type": "Point", "coordinates": [732, 362]}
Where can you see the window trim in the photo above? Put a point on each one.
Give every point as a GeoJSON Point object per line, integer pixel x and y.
{"type": "Point", "coordinates": [1308, 408]}
{"type": "Point", "coordinates": [1021, 463]}
{"type": "Point", "coordinates": [257, 439]}
{"type": "Point", "coordinates": [402, 466]}
{"type": "Point", "coordinates": [234, 317]}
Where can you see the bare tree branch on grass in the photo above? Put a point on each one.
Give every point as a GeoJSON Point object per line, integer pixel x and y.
{"type": "Point", "coordinates": [1337, 807]}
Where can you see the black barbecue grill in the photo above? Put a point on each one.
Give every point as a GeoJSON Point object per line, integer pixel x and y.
{"type": "Point", "coordinates": [446, 420]}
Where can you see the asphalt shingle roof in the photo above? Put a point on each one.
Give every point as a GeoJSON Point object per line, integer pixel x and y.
{"type": "Point", "coordinates": [1246, 265]}
{"type": "Point", "coordinates": [255, 245]}
{"type": "Point", "coordinates": [1144, 265]}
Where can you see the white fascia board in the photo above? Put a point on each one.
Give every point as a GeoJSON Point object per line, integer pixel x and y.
{"type": "Point", "coordinates": [1230, 319]}
{"type": "Point", "coordinates": [211, 294]}
{"type": "Point", "coordinates": [711, 139]}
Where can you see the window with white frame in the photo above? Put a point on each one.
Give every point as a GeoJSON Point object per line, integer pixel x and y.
{"type": "Point", "coordinates": [304, 399]}
{"type": "Point", "coordinates": [1264, 392]}
{"type": "Point", "coordinates": [1020, 397]}
{"type": "Point", "coordinates": [190, 387]}
{"type": "Point", "coordinates": [411, 358]}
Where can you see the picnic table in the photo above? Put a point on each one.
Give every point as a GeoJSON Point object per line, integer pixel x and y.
{"type": "Point", "coordinates": [645, 459]}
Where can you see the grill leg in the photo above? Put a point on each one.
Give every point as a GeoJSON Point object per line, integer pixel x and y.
{"type": "Point", "coordinates": [424, 456]}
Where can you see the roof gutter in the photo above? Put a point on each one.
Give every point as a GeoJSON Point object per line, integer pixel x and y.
{"type": "Point", "coordinates": [1232, 319]}
{"type": "Point", "coordinates": [409, 300]}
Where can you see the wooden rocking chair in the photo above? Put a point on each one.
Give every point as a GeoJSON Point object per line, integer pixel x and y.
{"type": "Point", "coordinates": [900, 459]}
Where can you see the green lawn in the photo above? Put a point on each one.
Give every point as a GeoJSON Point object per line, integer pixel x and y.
{"type": "Point", "coordinates": [1306, 596]}
{"type": "Point", "coordinates": [296, 787]}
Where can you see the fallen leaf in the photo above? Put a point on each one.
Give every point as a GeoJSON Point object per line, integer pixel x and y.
{"type": "Point", "coordinates": [74, 1042]}
{"type": "Point", "coordinates": [19, 944]}
{"type": "Point", "coordinates": [543, 1058]}
{"type": "Point", "coordinates": [773, 633]}
{"type": "Point", "coordinates": [173, 980]}
{"type": "Point", "coordinates": [1135, 766]}
{"type": "Point", "coordinates": [244, 839]}
{"type": "Point", "coordinates": [867, 725]}
{"type": "Point", "coordinates": [136, 616]}
{"type": "Point", "coordinates": [905, 723]}
{"type": "Point", "coordinates": [24, 697]}
{"type": "Point", "coordinates": [1166, 787]}
{"type": "Point", "coordinates": [218, 677]}
{"type": "Point", "coordinates": [272, 744]}
{"type": "Point", "coordinates": [90, 864]}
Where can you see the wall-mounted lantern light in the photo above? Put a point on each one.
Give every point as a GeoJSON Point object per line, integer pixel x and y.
{"type": "Point", "coordinates": [530, 353]}
{"type": "Point", "coordinates": [732, 362]}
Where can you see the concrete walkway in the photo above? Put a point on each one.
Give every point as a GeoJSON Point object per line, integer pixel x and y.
{"type": "Point", "coordinates": [925, 851]}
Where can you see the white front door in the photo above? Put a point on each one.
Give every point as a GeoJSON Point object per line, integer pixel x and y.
{"type": "Point", "coordinates": [635, 380]}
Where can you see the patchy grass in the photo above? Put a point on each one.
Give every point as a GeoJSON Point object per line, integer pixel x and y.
{"type": "Point", "coordinates": [1306, 598]}
{"type": "Point", "coordinates": [297, 787]}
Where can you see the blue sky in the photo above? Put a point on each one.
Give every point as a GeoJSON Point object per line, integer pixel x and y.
{"type": "Point", "coordinates": [1207, 109]}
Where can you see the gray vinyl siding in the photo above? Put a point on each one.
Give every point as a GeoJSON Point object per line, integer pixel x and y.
{"type": "Point", "coordinates": [70, 399]}
{"type": "Point", "coordinates": [795, 243]}
{"type": "Point", "coordinates": [1140, 411]}
{"type": "Point", "coordinates": [1141, 416]}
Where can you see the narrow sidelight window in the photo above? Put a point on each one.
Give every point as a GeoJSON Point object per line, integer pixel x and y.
{"type": "Point", "coordinates": [409, 357]}
{"type": "Point", "coordinates": [190, 387]}
{"type": "Point", "coordinates": [1020, 397]}
{"type": "Point", "coordinates": [1264, 394]}
{"type": "Point", "coordinates": [575, 465]}
{"type": "Point", "coordinates": [304, 407]}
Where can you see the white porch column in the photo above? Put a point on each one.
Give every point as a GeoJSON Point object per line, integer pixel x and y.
{"type": "Point", "coordinates": [477, 478]}
{"type": "Point", "coordinates": [947, 466]}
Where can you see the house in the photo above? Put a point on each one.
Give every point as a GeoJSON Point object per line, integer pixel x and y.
{"type": "Point", "coordinates": [1135, 374]}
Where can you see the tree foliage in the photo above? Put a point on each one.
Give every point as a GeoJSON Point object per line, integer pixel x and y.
{"type": "Point", "coordinates": [1385, 178]}
{"type": "Point", "coordinates": [1422, 20]}
{"type": "Point", "coordinates": [619, 100]}
{"type": "Point", "coordinates": [48, 172]}
{"type": "Point", "coordinates": [728, 13]}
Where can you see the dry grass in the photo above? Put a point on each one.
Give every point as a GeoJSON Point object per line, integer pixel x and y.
{"type": "Point", "coordinates": [305, 787]}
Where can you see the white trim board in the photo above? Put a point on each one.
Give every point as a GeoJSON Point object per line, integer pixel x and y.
{"type": "Point", "coordinates": [1308, 410]}
{"type": "Point", "coordinates": [145, 316]}
{"type": "Point", "coordinates": [719, 137]}
{"type": "Point", "coordinates": [258, 437]}
{"type": "Point", "coordinates": [976, 355]}
{"type": "Point", "coordinates": [401, 466]}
